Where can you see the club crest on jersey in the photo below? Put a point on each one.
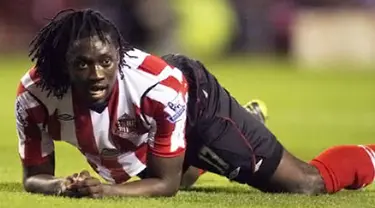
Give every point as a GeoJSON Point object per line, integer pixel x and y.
{"type": "Point", "coordinates": [126, 127]}
{"type": "Point", "coordinates": [175, 109]}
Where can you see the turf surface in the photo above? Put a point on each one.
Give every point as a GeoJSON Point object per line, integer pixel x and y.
{"type": "Point", "coordinates": [309, 111]}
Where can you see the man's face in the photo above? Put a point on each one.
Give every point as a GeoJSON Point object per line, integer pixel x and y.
{"type": "Point", "coordinates": [92, 67]}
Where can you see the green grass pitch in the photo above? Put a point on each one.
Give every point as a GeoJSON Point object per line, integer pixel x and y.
{"type": "Point", "coordinates": [309, 111]}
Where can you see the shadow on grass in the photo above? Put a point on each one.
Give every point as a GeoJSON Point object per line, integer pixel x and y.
{"type": "Point", "coordinates": [221, 189]}
{"type": "Point", "coordinates": [249, 190]}
{"type": "Point", "coordinates": [11, 187]}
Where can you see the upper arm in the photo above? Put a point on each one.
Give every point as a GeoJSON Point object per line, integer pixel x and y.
{"type": "Point", "coordinates": [36, 148]}
{"type": "Point", "coordinates": [166, 106]}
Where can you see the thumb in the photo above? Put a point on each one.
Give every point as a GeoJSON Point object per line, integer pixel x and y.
{"type": "Point", "coordinates": [84, 174]}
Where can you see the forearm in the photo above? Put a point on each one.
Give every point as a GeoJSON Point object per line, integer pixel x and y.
{"type": "Point", "coordinates": [189, 177]}
{"type": "Point", "coordinates": [150, 187]}
{"type": "Point", "coordinates": [44, 184]}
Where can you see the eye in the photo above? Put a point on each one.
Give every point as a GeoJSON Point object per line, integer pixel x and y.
{"type": "Point", "coordinates": [81, 65]}
{"type": "Point", "coordinates": [106, 62]}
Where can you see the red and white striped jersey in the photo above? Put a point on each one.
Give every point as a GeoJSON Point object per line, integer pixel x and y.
{"type": "Point", "coordinates": [145, 113]}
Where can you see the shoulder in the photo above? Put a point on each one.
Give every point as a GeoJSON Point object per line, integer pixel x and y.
{"type": "Point", "coordinates": [30, 93]}
{"type": "Point", "coordinates": [144, 70]}
{"type": "Point", "coordinates": [150, 78]}
{"type": "Point", "coordinates": [28, 81]}
{"type": "Point", "coordinates": [148, 65]}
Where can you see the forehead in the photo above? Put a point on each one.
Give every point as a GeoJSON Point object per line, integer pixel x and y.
{"type": "Point", "coordinates": [91, 46]}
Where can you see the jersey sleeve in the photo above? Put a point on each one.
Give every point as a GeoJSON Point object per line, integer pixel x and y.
{"type": "Point", "coordinates": [34, 144]}
{"type": "Point", "coordinates": [166, 105]}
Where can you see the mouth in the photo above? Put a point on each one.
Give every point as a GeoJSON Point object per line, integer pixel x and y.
{"type": "Point", "coordinates": [97, 91]}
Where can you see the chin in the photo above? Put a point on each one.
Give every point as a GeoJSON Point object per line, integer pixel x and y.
{"type": "Point", "coordinates": [97, 101]}
{"type": "Point", "coordinates": [98, 98]}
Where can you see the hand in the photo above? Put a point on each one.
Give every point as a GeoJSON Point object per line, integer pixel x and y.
{"type": "Point", "coordinates": [68, 186]}
{"type": "Point", "coordinates": [63, 188]}
{"type": "Point", "coordinates": [87, 186]}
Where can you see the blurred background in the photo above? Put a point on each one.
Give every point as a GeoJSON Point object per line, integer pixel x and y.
{"type": "Point", "coordinates": [308, 32]}
{"type": "Point", "coordinates": [311, 61]}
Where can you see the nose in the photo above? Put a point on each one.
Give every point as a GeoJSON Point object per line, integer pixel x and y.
{"type": "Point", "coordinates": [97, 73]}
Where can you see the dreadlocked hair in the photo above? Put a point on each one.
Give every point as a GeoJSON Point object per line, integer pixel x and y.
{"type": "Point", "coordinates": [50, 46]}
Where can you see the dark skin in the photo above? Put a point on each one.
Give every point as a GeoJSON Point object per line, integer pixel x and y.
{"type": "Point", "coordinates": [92, 66]}
{"type": "Point", "coordinates": [189, 177]}
{"type": "Point", "coordinates": [295, 176]}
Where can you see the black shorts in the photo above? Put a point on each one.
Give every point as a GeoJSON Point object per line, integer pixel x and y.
{"type": "Point", "coordinates": [222, 137]}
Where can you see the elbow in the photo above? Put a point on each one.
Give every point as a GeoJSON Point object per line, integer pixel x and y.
{"type": "Point", "coordinates": [170, 193]}
{"type": "Point", "coordinates": [169, 190]}
{"type": "Point", "coordinates": [188, 181]}
{"type": "Point", "coordinates": [27, 186]}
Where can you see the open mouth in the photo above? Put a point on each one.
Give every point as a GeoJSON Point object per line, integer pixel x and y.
{"type": "Point", "coordinates": [97, 90]}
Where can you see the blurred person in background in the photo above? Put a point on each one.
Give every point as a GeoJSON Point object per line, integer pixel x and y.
{"type": "Point", "coordinates": [131, 113]}
{"type": "Point", "coordinates": [254, 33]}
{"type": "Point", "coordinates": [140, 22]}
{"type": "Point", "coordinates": [147, 24]}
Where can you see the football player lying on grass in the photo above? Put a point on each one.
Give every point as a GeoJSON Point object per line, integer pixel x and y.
{"type": "Point", "coordinates": [165, 120]}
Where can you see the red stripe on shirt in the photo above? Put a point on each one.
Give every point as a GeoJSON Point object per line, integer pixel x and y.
{"type": "Point", "coordinates": [162, 140]}
{"type": "Point", "coordinates": [32, 141]}
{"type": "Point", "coordinates": [173, 83]}
{"type": "Point", "coordinates": [141, 153]}
{"type": "Point", "coordinates": [153, 65]}
{"type": "Point", "coordinates": [38, 114]}
{"type": "Point", "coordinates": [83, 126]}
{"type": "Point", "coordinates": [32, 145]}
{"type": "Point", "coordinates": [137, 109]}
{"type": "Point", "coordinates": [54, 127]}
{"type": "Point", "coordinates": [34, 75]}
{"type": "Point", "coordinates": [21, 89]}
{"type": "Point", "coordinates": [180, 87]}
{"type": "Point", "coordinates": [123, 145]}
{"type": "Point", "coordinates": [115, 168]}
{"type": "Point", "coordinates": [30, 78]}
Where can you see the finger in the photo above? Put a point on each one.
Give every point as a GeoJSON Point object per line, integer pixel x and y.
{"type": "Point", "coordinates": [84, 174]}
{"type": "Point", "coordinates": [87, 182]}
{"type": "Point", "coordinates": [91, 182]}
{"type": "Point", "coordinates": [70, 179]}
{"type": "Point", "coordinates": [77, 183]}
{"type": "Point", "coordinates": [73, 177]}
{"type": "Point", "coordinates": [68, 183]}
